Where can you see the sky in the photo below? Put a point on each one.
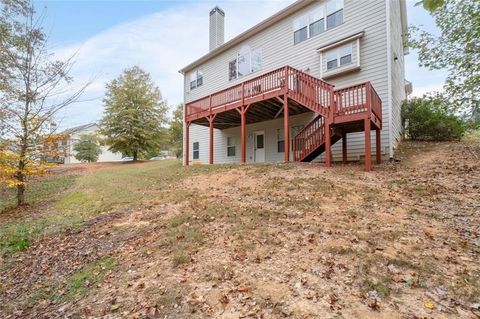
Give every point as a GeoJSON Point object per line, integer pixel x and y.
{"type": "Point", "coordinates": [161, 37]}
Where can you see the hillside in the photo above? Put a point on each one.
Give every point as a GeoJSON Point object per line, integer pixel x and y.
{"type": "Point", "coordinates": [158, 240]}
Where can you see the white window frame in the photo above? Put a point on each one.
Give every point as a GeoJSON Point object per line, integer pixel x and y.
{"type": "Point", "coordinates": [339, 56]}
{"type": "Point", "coordinates": [247, 52]}
{"type": "Point", "coordinates": [310, 18]}
{"type": "Point", "coordinates": [197, 150]}
{"type": "Point", "coordinates": [197, 74]}
{"type": "Point", "coordinates": [231, 145]}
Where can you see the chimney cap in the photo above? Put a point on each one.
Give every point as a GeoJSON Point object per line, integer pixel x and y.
{"type": "Point", "coordinates": [217, 9]}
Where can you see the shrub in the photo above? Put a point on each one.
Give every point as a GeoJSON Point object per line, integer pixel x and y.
{"type": "Point", "coordinates": [430, 118]}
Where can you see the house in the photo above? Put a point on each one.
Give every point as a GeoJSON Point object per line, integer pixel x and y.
{"type": "Point", "coordinates": [291, 87]}
{"type": "Point", "coordinates": [73, 135]}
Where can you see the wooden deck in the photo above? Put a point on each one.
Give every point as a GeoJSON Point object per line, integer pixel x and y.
{"type": "Point", "coordinates": [290, 91]}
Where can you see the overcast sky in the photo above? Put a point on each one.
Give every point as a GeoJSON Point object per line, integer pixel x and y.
{"type": "Point", "coordinates": [162, 37]}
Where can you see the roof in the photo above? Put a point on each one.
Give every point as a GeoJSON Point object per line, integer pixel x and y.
{"type": "Point", "coordinates": [250, 32]}
{"type": "Point", "coordinates": [79, 128]}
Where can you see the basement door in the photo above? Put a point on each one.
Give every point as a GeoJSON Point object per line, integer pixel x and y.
{"type": "Point", "coordinates": [259, 146]}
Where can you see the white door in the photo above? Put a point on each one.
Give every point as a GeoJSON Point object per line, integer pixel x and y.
{"type": "Point", "coordinates": [259, 146]}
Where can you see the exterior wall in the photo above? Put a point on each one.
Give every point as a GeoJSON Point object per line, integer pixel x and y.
{"type": "Point", "coordinates": [279, 50]}
{"type": "Point", "coordinates": [105, 156]}
{"type": "Point", "coordinates": [397, 70]}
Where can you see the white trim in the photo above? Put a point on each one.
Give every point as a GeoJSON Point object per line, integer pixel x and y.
{"type": "Point", "coordinates": [358, 52]}
{"type": "Point", "coordinates": [389, 80]}
{"type": "Point", "coordinates": [341, 41]}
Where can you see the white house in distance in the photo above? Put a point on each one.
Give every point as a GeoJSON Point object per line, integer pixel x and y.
{"type": "Point", "coordinates": [289, 88]}
{"type": "Point", "coordinates": [73, 136]}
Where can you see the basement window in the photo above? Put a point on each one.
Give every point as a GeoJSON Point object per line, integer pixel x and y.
{"type": "Point", "coordinates": [196, 150]}
{"type": "Point", "coordinates": [280, 141]}
{"type": "Point", "coordinates": [196, 79]}
{"type": "Point", "coordinates": [231, 146]}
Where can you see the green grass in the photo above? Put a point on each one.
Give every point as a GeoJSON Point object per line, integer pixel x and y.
{"type": "Point", "coordinates": [37, 190]}
{"type": "Point", "coordinates": [86, 277]}
{"type": "Point", "coordinates": [107, 189]}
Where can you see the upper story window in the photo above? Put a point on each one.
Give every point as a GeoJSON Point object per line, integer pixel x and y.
{"type": "Point", "coordinates": [339, 57]}
{"type": "Point", "coordinates": [247, 61]}
{"type": "Point", "coordinates": [196, 79]}
{"type": "Point", "coordinates": [318, 20]}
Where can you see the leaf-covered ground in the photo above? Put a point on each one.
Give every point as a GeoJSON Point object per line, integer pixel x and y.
{"type": "Point", "coordinates": [157, 240]}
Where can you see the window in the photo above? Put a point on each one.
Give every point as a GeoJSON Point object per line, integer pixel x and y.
{"type": "Point", "coordinates": [318, 20]}
{"type": "Point", "coordinates": [339, 57]}
{"type": "Point", "coordinates": [231, 146]}
{"type": "Point", "coordinates": [332, 60]}
{"type": "Point", "coordinates": [196, 79]}
{"type": "Point", "coordinates": [334, 13]}
{"type": "Point", "coordinates": [196, 150]}
{"type": "Point", "coordinates": [280, 141]}
{"type": "Point", "coordinates": [246, 62]}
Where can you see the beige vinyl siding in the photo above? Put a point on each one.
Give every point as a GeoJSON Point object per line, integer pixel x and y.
{"type": "Point", "coordinates": [278, 50]}
{"type": "Point", "coordinates": [201, 134]}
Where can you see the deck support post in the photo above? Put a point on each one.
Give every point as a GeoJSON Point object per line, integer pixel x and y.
{"type": "Point", "coordinates": [328, 143]}
{"type": "Point", "coordinates": [368, 146]}
{"type": "Point", "coordinates": [210, 119]}
{"type": "Point", "coordinates": [344, 148]}
{"type": "Point", "coordinates": [243, 133]}
{"type": "Point", "coordinates": [286, 129]}
{"type": "Point", "coordinates": [243, 137]}
{"type": "Point", "coordinates": [187, 142]}
{"type": "Point", "coordinates": [378, 146]}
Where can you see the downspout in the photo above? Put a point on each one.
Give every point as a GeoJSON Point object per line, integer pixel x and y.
{"type": "Point", "coordinates": [389, 80]}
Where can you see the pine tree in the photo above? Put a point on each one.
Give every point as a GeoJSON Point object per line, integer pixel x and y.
{"type": "Point", "coordinates": [176, 130]}
{"type": "Point", "coordinates": [134, 114]}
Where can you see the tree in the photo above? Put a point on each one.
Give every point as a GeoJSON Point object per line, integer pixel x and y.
{"type": "Point", "coordinates": [134, 114]}
{"type": "Point", "coordinates": [431, 118]}
{"type": "Point", "coordinates": [87, 148]}
{"type": "Point", "coordinates": [33, 88]}
{"type": "Point", "coordinates": [176, 130]}
{"type": "Point", "coordinates": [456, 49]}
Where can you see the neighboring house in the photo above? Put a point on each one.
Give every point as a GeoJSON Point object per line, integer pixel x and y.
{"type": "Point", "coordinates": [73, 136]}
{"type": "Point", "coordinates": [337, 66]}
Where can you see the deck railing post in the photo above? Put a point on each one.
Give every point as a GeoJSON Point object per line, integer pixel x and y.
{"type": "Point", "coordinates": [286, 78]}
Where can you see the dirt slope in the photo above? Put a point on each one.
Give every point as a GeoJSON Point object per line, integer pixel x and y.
{"type": "Point", "coordinates": [272, 241]}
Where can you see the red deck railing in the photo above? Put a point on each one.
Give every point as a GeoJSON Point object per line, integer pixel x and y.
{"type": "Point", "coordinates": [309, 138]}
{"type": "Point", "coordinates": [312, 92]}
{"type": "Point", "coordinates": [358, 98]}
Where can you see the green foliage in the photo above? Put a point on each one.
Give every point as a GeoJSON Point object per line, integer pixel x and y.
{"type": "Point", "coordinates": [431, 5]}
{"type": "Point", "coordinates": [456, 49]}
{"type": "Point", "coordinates": [87, 148]}
{"type": "Point", "coordinates": [176, 130]}
{"type": "Point", "coordinates": [134, 114]}
{"type": "Point", "coordinates": [429, 118]}
{"type": "Point", "coordinates": [81, 281]}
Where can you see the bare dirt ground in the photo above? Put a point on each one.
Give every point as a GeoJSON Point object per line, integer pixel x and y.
{"type": "Point", "coordinates": [272, 241]}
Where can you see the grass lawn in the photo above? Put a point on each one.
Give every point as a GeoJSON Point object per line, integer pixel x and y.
{"type": "Point", "coordinates": [157, 239]}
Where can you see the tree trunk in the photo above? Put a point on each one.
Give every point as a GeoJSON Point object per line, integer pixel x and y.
{"type": "Point", "coordinates": [21, 194]}
{"type": "Point", "coordinates": [135, 155]}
